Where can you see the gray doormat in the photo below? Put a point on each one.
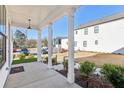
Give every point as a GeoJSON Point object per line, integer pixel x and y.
{"type": "Point", "coordinates": [17, 69]}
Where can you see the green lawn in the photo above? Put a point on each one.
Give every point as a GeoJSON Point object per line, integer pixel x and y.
{"type": "Point", "coordinates": [24, 61]}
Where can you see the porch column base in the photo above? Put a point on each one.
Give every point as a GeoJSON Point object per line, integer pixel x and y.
{"type": "Point", "coordinates": [71, 78]}
{"type": "Point", "coordinates": [50, 67]}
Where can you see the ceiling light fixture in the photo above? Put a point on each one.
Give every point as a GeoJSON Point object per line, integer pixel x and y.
{"type": "Point", "coordinates": [29, 27]}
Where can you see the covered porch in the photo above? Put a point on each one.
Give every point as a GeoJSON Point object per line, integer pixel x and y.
{"type": "Point", "coordinates": [38, 74]}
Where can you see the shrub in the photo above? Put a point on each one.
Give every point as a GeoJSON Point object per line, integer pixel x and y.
{"type": "Point", "coordinates": [14, 56]}
{"type": "Point", "coordinates": [65, 65]}
{"type": "Point", "coordinates": [30, 56]}
{"type": "Point", "coordinates": [54, 60]}
{"type": "Point", "coordinates": [22, 56]}
{"type": "Point", "coordinates": [46, 59]}
{"type": "Point", "coordinates": [114, 74]}
{"type": "Point", "coordinates": [86, 68]}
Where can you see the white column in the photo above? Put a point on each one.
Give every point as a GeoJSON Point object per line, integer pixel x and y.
{"type": "Point", "coordinates": [10, 44]}
{"type": "Point", "coordinates": [71, 76]}
{"type": "Point", "coordinates": [50, 34]}
{"type": "Point", "coordinates": [39, 45]}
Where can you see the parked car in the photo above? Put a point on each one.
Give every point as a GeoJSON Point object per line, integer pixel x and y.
{"type": "Point", "coordinates": [64, 50]}
{"type": "Point", "coordinates": [25, 51]}
{"type": "Point", "coordinates": [44, 50]}
{"type": "Point", "coordinates": [14, 50]}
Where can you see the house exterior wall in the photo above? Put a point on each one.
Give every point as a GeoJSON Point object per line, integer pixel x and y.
{"type": "Point", "coordinates": [110, 38]}
{"type": "Point", "coordinates": [64, 43]}
{"type": "Point", "coordinates": [4, 71]}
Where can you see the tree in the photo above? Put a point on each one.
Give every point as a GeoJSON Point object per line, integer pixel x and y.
{"type": "Point", "coordinates": [20, 39]}
{"type": "Point", "coordinates": [31, 43]}
{"type": "Point", "coordinates": [45, 42]}
{"type": "Point", "coordinates": [15, 44]}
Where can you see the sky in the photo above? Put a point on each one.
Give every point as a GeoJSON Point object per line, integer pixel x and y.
{"type": "Point", "coordinates": [82, 15]}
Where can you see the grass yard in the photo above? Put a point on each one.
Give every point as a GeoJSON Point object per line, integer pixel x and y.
{"type": "Point", "coordinates": [18, 61]}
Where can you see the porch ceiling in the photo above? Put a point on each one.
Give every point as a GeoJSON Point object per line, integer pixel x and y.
{"type": "Point", "coordinates": [40, 15]}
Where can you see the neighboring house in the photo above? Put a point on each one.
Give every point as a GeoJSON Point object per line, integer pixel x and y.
{"type": "Point", "coordinates": [60, 42]}
{"type": "Point", "coordinates": [103, 35]}
{"type": "Point", "coordinates": [64, 43]}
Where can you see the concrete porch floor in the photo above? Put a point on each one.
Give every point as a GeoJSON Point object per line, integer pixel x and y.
{"type": "Point", "coordinates": [37, 75]}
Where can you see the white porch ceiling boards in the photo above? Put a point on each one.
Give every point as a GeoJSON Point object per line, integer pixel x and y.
{"type": "Point", "coordinates": [41, 15]}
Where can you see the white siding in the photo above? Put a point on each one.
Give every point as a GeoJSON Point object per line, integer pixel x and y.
{"type": "Point", "coordinates": [4, 71]}
{"type": "Point", "coordinates": [64, 43]}
{"type": "Point", "coordinates": [110, 38]}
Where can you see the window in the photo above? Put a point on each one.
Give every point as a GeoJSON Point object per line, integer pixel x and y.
{"type": "Point", "coordinates": [96, 42]}
{"type": "Point", "coordinates": [86, 31]}
{"type": "Point", "coordinates": [76, 32]}
{"type": "Point", "coordinates": [84, 43]}
{"type": "Point", "coordinates": [2, 35]}
{"type": "Point", "coordinates": [96, 29]}
{"type": "Point", "coordinates": [75, 43]}
{"type": "Point", "coordinates": [2, 49]}
{"type": "Point", "coordinates": [59, 41]}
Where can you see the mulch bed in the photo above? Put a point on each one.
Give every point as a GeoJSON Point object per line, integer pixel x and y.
{"type": "Point", "coordinates": [16, 69]}
{"type": "Point", "coordinates": [93, 81]}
